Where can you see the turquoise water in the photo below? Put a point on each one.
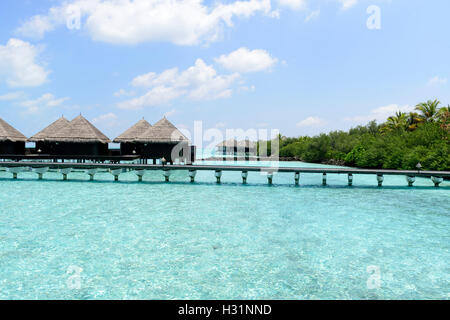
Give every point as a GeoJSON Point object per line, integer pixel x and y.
{"type": "Point", "coordinates": [127, 240]}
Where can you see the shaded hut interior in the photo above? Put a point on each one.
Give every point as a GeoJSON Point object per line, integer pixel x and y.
{"type": "Point", "coordinates": [48, 147]}
{"type": "Point", "coordinates": [163, 140]}
{"type": "Point", "coordinates": [232, 147]}
{"type": "Point", "coordinates": [75, 138]}
{"type": "Point", "coordinates": [12, 142]}
{"type": "Point", "coordinates": [63, 139]}
{"type": "Point", "coordinates": [127, 140]}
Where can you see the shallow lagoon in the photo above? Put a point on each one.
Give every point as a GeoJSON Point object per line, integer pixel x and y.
{"type": "Point", "coordinates": [154, 240]}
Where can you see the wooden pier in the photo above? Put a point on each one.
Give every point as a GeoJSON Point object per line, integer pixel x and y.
{"type": "Point", "coordinates": [15, 167]}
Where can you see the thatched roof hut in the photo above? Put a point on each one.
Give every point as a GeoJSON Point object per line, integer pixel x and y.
{"type": "Point", "coordinates": [51, 130]}
{"type": "Point", "coordinates": [77, 138]}
{"type": "Point", "coordinates": [132, 133]}
{"type": "Point", "coordinates": [233, 143]}
{"type": "Point", "coordinates": [9, 133]}
{"type": "Point", "coordinates": [162, 132]}
{"type": "Point", "coordinates": [246, 144]}
{"type": "Point", "coordinates": [79, 130]}
{"type": "Point", "coordinates": [162, 140]}
{"type": "Point", "coordinates": [12, 142]}
{"type": "Point", "coordinates": [237, 148]}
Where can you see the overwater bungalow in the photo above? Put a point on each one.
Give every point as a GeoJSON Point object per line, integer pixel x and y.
{"type": "Point", "coordinates": [127, 140]}
{"type": "Point", "coordinates": [12, 142]}
{"type": "Point", "coordinates": [78, 137]}
{"type": "Point", "coordinates": [159, 141]}
{"type": "Point", "coordinates": [227, 147]}
{"type": "Point", "coordinates": [232, 147]}
{"type": "Point", "coordinates": [44, 146]}
{"type": "Point", "coordinates": [247, 147]}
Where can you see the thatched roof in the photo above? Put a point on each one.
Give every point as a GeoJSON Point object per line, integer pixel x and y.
{"type": "Point", "coordinates": [78, 130]}
{"type": "Point", "coordinates": [52, 129]}
{"type": "Point", "coordinates": [246, 144]}
{"type": "Point", "coordinates": [8, 133]}
{"type": "Point", "coordinates": [135, 131]}
{"type": "Point", "coordinates": [233, 143]}
{"type": "Point", "coordinates": [228, 143]}
{"type": "Point", "coordinates": [162, 132]}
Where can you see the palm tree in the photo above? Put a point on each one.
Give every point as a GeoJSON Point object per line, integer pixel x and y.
{"type": "Point", "coordinates": [399, 121]}
{"type": "Point", "coordinates": [428, 110]}
{"type": "Point", "coordinates": [413, 120]}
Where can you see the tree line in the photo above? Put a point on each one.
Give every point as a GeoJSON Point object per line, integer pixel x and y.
{"type": "Point", "coordinates": [401, 142]}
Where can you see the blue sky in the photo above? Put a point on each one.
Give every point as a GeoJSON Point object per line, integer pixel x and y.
{"type": "Point", "coordinates": [300, 66]}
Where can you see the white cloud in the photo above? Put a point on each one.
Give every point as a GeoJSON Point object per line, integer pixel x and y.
{"type": "Point", "coordinates": [155, 97]}
{"type": "Point", "coordinates": [380, 114]}
{"type": "Point", "coordinates": [19, 66]}
{"type": "Point", "coordinates": [437, 81]}
{"type": "Point", "coordinates": [12, 96]}
{"type": "Point", "coordinates": [47, 100]}
{"type": "Point", "coordinates": [311, 122]}
{"type": "Point", "coordinates": [198, 82]}
{"type": "Point", "coordinates": [125, 93]}
{"type": "Point", "coordinates": [293, 4]}
{"type": "Point", "coordinates": [36, 27]}
{"type": "Point", "coordinates": [303, 4]}
{"type": "Point", "coordinates": [153, 79]}
{"type": "Point", "coordinates": [313, 15]}
{"type": "Point", "coordinates": [247, 89]}
{"type": "Point", "coordinates": [170, 113]}
{"type": "Point", "coordinates": [244, 60]}
{"type": "Point", "coordinates": [182, 22]}
{"type": "Point", "coordinates": [347, 4]}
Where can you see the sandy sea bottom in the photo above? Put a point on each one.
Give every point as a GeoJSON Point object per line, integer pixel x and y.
{"type": "Point", "coordinates": [104, 240]}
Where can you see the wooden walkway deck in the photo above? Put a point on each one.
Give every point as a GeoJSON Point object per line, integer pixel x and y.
{"type": "Point", "coordinates": [85, 166]}
{"type": "Point", "coordinates": [116, 169]}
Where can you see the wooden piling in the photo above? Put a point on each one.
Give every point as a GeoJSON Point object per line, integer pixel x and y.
{"type": "Point", "coordinates": [297, 178]}
{"type": "Point", "coordinates": [244, 177]}
{"type": "Point", "coordinates": [380, 180]}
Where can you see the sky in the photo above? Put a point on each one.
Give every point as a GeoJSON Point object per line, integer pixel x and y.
{"type": "Point", "coordinates": [300, 66]}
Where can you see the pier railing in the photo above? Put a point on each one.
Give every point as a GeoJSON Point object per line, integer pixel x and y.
{"type": "Point", "coordinates": [15, 167]}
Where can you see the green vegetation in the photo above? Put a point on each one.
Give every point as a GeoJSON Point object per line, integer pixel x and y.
{"type": "Point", "coordinates": [400, 143]}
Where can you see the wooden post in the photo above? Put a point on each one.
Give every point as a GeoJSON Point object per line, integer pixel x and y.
{"type": "Point", "coordinates": [91, 173]}
{"type": "Point", "coordinates": [192, 174]}
{"type": "Point", "coordinates": [410, 180]}
{"type": "Point", "coordinates": [218, 175]}
{"type": "Point", "coordinates": [270, 178]}
{"type": "Point", "coordinates": [65, 172]}
{"type": "Point", "coordinates": [115, 173]}
{"type": "Point", "coordinates": [166, 174]}
{"type": "Point", "coordinates": [244, 177]}
{"type": "Point", "coordinates": [380, 180]}
{"type": "Point", "coordinates": [140, 174]}
{"type": "Point", "coordinates": [437, 181]}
